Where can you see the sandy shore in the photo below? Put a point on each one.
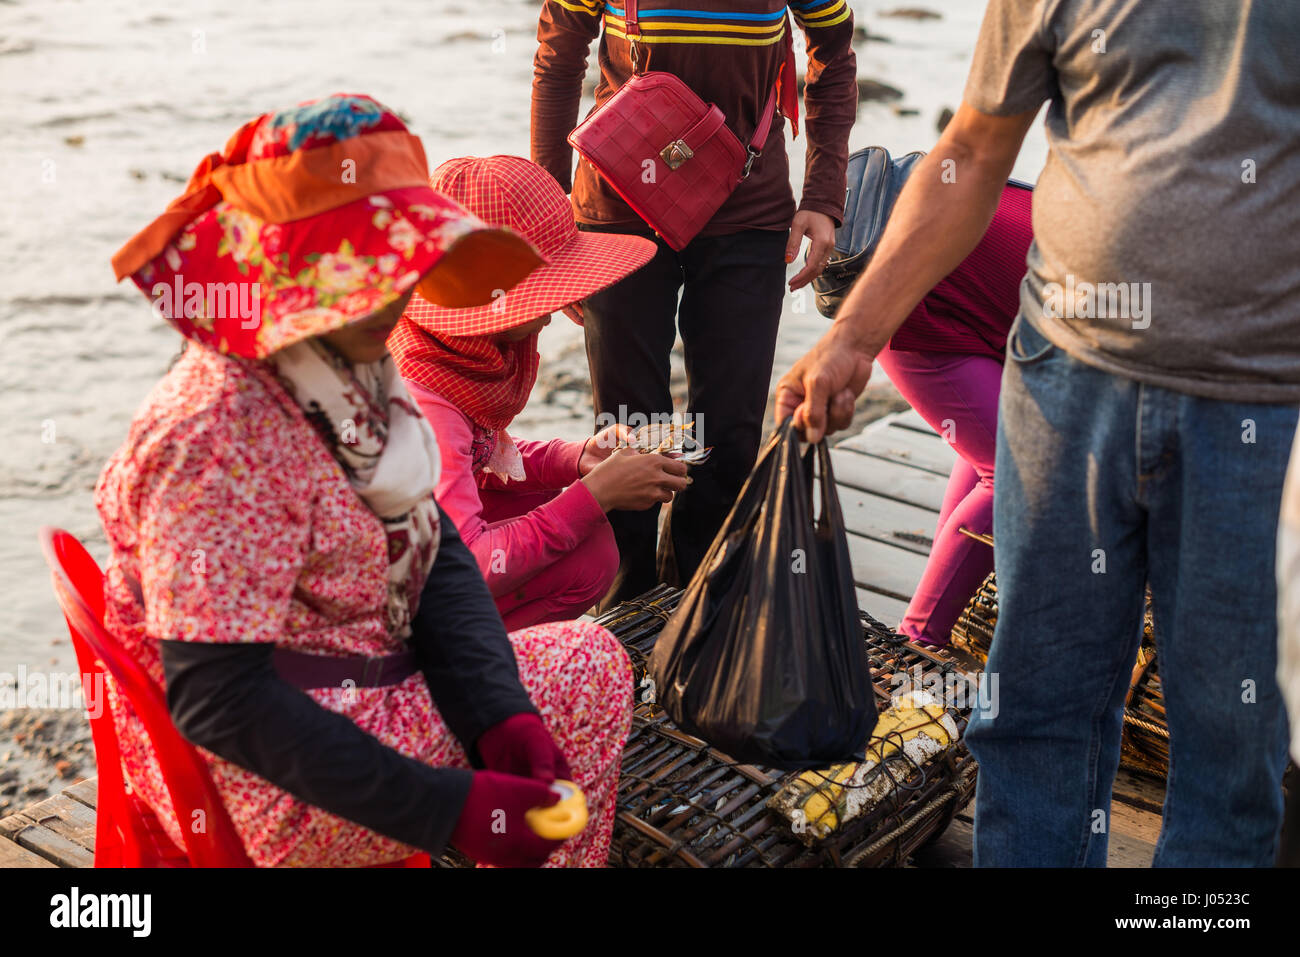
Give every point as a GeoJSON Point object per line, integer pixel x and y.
{"type": "Point", "coordinates": [42, 750]}
{"type": "Point", "coordinates": [561, 400]}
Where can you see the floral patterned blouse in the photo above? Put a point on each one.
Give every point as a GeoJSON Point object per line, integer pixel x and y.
{"type": "Point", "coordinates": [229, 521]}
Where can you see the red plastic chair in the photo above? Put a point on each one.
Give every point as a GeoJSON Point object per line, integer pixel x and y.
{"type": "Point", "coordinates": [127, 834]}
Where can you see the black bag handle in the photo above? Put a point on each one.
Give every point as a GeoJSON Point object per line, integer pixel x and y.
{"type": "Point", "coordinates": [749, 499]}
{"type": "Point", "coordinates": [831, 516]}
{"type": "Point", "coordinates": [822, 479]}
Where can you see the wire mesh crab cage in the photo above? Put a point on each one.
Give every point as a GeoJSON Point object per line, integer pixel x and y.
{"type": "Point", "coordinates": [682, 803]}
{"type": "Point", "coordinates": [973, 632]}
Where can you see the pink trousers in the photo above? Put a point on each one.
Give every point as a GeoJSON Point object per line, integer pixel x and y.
{"type": "Point", "coordinates": [957, 395]}
{"type": "Point", "coordinates": [567, 587]}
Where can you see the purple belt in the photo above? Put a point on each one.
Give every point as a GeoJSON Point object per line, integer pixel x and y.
{"type": "Point", "coordinates": [334, 671]}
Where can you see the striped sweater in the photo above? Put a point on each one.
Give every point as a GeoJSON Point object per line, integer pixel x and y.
{"type": "Point", "coordinates": [729, 52]}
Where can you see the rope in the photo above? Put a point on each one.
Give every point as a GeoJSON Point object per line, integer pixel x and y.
{"type": "Point", "coordinates": [880, 843]}
{"type": "Point", "coordinates": [1146, 725]}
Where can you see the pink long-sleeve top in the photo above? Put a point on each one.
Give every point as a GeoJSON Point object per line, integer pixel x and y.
{"type": "Point", "coordinates": [512, 550]}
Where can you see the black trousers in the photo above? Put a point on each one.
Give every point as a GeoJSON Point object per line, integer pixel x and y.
{"type": "Point", "coordinates": [731, 291]}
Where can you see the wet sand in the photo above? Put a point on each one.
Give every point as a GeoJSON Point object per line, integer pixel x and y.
{"type": "Point", "coordinates": [42, 750]}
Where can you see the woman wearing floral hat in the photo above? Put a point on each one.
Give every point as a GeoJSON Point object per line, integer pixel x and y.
{"type": "Point", "coordinates": [533, 513]}
{"type": "Point", "coordinates": [278, 561]}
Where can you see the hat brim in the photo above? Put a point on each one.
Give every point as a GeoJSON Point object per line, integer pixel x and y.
{"type": "Point", "coordinates": [314, 275]}
{"type": "Point", "coordinates": [587, 263]}
{"type": "Point", "coordinates": [478, 267]}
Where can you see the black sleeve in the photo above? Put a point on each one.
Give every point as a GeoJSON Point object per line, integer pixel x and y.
{"type": "Point", "coordinates": [468, 662]}
{"type": "Point", "coordinates": [229, 699]}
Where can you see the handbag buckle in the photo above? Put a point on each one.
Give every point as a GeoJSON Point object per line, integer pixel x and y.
{"type": "Point", "coordinates": [676, 153]}
{"type": "Point", "coordinates": [753, 155]}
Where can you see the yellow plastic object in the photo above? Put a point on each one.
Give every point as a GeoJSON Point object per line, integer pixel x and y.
{"type": "Point", "coordinates": [818, 802]}
{"type": "Point", "coordinates": [563, 819]}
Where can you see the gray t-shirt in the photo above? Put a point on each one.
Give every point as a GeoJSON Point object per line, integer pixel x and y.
{"type": "Point", "coordinates": [1167, 219]}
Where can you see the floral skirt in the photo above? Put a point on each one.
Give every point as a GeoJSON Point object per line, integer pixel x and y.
{"type": "Point", "coordinates": [576, 673]}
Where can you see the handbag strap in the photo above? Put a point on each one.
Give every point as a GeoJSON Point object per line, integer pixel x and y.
{"type": "Point", "coordinates": [705, 127]}
{"type": "Point", "coordinates": [757, 141]}
{"type": "Point", "coordinates": [755, 147]}
{"type": "Point", "coordinates": [764, 124]}
{"type": "Point", "coordinates": [632, 31]}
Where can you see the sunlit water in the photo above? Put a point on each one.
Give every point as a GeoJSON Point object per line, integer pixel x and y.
{"type": "Point", "coordinates": [109, 104]}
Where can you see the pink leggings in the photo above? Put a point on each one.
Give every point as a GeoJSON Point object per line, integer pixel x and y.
{"type": "Point", "coordinates": [568, 586]}
{"type": "Point", "coordinates": [957, 395]}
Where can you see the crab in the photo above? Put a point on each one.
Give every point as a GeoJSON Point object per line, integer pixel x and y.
{"type": "Point", "coordinates": [676, 440]}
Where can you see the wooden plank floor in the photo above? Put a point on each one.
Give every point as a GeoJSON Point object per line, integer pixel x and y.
{"type": "Point", "coordinates": [57, 832]}
{"type": "Point", "coordinates": [1133, 831]}
{"type": "Point", "coordinates": [60, 831]}
{"type": "Point", "coordinates": [891, 479]}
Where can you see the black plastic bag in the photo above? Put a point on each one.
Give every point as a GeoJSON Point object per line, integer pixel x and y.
{"type": "Point", "coordinates": [764, 657]}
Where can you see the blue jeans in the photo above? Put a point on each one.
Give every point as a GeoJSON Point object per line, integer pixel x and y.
{"type": "Point", "coordinates": [1103, 484]}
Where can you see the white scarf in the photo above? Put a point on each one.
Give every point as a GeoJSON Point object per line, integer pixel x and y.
{"type": "Point", "coordinates": [387, 451]}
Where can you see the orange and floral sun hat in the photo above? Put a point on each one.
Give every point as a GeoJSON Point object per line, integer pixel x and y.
{"type": "Point", "coordinates": [312, 218]}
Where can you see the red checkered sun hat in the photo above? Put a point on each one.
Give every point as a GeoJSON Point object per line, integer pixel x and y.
{"type": "Point", "coordinates": [511, 192]}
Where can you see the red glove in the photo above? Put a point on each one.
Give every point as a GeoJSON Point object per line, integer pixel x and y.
{"type": "Point", "coordinates": [521, 745]}
{"type": "Point", "coordinates": [492, 829]}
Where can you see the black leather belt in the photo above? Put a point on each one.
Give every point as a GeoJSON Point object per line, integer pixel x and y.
{"type": "Point", "coordinates": [342, 671]}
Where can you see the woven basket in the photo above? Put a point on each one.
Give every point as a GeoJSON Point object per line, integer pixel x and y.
{"type": "Point", "coordinates": [1146, 729]}
{"type": "Point", "coordinates": [973, 632]}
